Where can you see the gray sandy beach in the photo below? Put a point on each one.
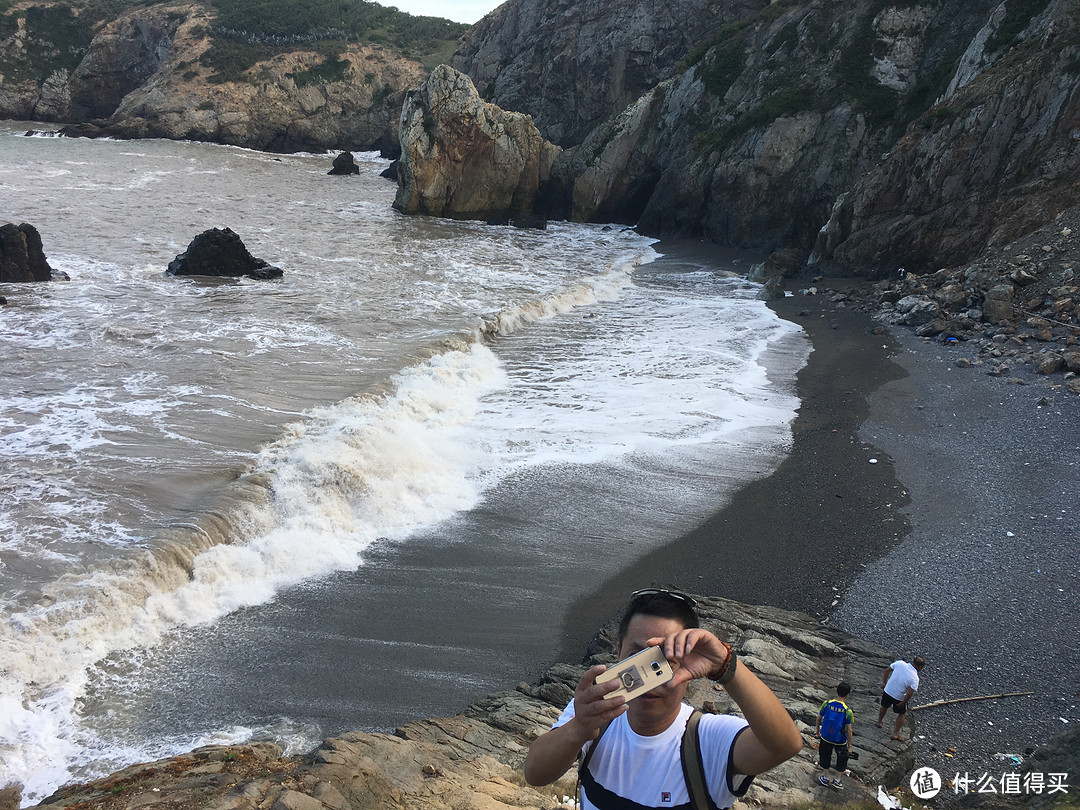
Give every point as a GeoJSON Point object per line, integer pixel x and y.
{"type": "Point", "coordinates": [984, 584]}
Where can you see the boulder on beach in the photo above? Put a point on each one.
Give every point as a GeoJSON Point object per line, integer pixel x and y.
{"type": "Point", "coordinates": [345, 164]}
{"type": "Point", "coordinates": [220, 252]}
{"type": "Point", "coordinates": [21, 255]}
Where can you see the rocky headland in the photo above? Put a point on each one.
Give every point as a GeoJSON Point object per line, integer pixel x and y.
{"type": "Point", "coordinates": [863, 136]}
{"type": "Point", "coordinates": [473, 760]}
{"type": "Point", "coordinates": [147, 74]}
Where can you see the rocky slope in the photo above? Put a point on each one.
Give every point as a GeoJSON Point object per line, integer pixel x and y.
{"type": "Point", "coordinates": [473, 760]}
{"type": "Point", "coordinates": [865, 135]}
{"type": "Point", "coordinates": [1016, 309]}
{"type": "Point", "coordinates": [141, 76]}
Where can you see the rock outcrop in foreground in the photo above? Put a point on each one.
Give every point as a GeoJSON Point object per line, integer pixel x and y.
{"type": "Point", "coordinates": [22, 257]}
{"type": "Point", "coordinates": [464, 158]}
{"type": "Point", "coordinates": [473, 760]}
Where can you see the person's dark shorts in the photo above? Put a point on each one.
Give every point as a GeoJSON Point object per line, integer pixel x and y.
{"type": "Point", "coordinates": [888, 700]}
{"type": "Point", "coordinates": [825, 749]}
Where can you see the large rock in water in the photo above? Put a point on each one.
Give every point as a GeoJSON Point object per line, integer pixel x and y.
{"type": "Point", "coordinates": [345, 163]}
{"type": "Point", "coordinates": [21, 255]}
{"type": "Point", "coordinates": [464, 158]}
{"type": "Point", "coordinates": [219, 252]}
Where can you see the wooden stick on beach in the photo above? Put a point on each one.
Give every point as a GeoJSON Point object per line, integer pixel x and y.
{"type": "Point", "coordinates": [966, 699]}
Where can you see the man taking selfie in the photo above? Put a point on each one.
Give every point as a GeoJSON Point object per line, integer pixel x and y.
{"type": "Point", "coordinates": [631, 751]}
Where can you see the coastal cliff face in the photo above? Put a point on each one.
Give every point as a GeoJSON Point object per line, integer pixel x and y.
{"type": "Point", "coordinates": [572, 65]}
{"type": "Point", "coordinates": [865, 135]}
{"type": "Point", "coordinates": [859, 136]}
{"type": "Point", "coordinates": [140, 76]}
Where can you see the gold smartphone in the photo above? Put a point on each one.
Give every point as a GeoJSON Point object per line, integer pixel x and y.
{"type": "Point", "coordinates": [638, 674]}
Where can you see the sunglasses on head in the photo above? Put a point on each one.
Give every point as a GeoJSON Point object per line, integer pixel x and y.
{"type": "Point", "coordinates": [682, 597]}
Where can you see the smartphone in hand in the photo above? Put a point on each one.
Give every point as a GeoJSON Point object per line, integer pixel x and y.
{"type": "Point", "coordinates": [638, 674]}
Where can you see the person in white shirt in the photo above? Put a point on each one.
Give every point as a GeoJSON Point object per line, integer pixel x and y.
{"type": "Point", "coordinates": [899, 682]}
{"type": "Point", "coordinates": [637, 757]}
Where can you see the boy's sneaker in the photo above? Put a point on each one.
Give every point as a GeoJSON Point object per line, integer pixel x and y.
{"type": "Point", "coordinates": [835, 783]}
{"type": "Point", "coordinates": [823, 780]}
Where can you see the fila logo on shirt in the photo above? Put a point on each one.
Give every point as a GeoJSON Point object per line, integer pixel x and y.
{"type": "Point", "coordinates": [665, 797]}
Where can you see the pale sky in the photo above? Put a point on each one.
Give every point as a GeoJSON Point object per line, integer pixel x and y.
{"type": "Point", "coordinates": [466, 11]}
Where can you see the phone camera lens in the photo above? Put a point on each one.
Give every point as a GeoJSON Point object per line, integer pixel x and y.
{"type": "Point", "coordinates": [656, 666]}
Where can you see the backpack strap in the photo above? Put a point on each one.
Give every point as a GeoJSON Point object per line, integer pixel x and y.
{"type": "Point", "coordinates": [583, 762]}
{"type": "Point", "coordinates": [693, 767]}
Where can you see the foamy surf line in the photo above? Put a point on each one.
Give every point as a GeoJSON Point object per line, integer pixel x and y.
{"type": "Point", "coordinates": [315, 500]}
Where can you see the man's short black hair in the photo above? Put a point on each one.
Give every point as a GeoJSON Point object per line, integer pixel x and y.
{"type": "Point", "coordinates": [919, 662]}
{"type": "Point", "coordinates": [663, 605]}
{"type": "Point", "coordinates": [843, 689]}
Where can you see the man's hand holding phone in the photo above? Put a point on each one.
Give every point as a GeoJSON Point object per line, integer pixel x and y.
{"type": "Point", "coordinates": [592, 707]}
{"type": "Point", "coordinates": [696, 653]}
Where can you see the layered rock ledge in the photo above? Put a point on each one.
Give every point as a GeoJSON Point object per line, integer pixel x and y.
{"type": "Point", "coordinates": [473, 760]}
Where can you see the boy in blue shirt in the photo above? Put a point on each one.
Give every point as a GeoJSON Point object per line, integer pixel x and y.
{"type": "Point", "coordinates": [834, 733]}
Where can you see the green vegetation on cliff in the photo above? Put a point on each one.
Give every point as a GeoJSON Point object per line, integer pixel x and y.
{"type": "Point", "coordinates": [1018, 13]}
{"type": "Point", "coordinates": [56, 40]}
{"type": "Point", "coordinates": [245, 32]}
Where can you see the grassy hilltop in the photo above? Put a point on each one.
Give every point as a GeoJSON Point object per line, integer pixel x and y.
{"type": "Point", "coordinates": [244, 32]}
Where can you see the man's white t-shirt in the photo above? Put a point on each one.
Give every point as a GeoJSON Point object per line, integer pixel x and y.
{"type": "Point", "coordinates": [903, 676]}
{"type": "Point", "coordinates": [648, 770]}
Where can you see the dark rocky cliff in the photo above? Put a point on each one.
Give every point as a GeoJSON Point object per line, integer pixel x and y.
{"type": "Point", "coordinates": [571, 65]}
{"type": "Point", "coordinates": [866, 135]}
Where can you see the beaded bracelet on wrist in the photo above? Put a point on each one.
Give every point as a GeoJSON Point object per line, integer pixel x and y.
{"type": "Point", "coordinates": [727, 671]}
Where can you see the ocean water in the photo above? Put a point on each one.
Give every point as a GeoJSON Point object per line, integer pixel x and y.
{"type": "Point", "coordinates": [350, 497]}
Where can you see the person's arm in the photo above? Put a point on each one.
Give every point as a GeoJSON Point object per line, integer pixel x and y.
{"type": "Point", "coordinates": [886, 676]}
{"type": "Point", "coordinates": [850, 726]}
{"type": "Point", "coordinates": [553, 752]}
{"type": "Point", "coordinates": [817, 728]}
{"type": "Point", "coordinates": [908, 694]}
{"type": "Point", "coordinates": [773, 736]}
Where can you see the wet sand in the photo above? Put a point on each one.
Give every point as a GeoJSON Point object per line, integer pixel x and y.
{"type": "Point", "coordinates": [797, 537]}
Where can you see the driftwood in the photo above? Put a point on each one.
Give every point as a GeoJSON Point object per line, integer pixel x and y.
{"type": "Point", "coordinates": [966, 699]}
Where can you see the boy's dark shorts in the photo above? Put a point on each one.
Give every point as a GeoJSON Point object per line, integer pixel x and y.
{"type": "Point", "coordinates": [888, 700]}
{"type": "Point", "coordinates": [825, 751]}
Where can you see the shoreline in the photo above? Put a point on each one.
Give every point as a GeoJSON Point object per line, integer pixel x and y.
{"type": "Point", "coordinates": [957, 544]}
{"type": "Point", "coordinates": [844, 510]}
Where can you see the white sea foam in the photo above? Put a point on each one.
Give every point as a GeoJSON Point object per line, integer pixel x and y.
{"type": "Point", "coordinates": [130, 398]}
{"type": "Point", "coordinates": [364, 468]}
